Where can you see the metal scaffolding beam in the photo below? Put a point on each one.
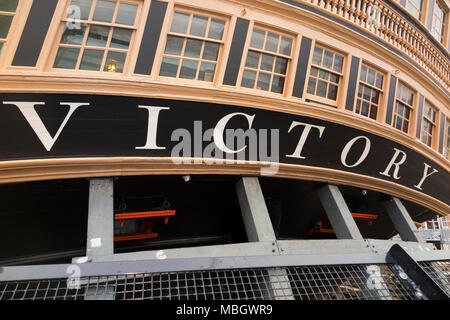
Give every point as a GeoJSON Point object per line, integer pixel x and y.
{"type": "Point", "coordinates": [259, 228]}
{"type": "Point", "coordinates": [402, 220]}
{"type": "Point", "coordinates": [337, 211]}
{"type": "Point", "coordinates": [254, 211]}
{"type": "Point", "coordinates": [100, 235]}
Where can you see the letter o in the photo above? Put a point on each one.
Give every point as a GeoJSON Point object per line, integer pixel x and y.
{"type": "Point", "coordinates": [347, 149]}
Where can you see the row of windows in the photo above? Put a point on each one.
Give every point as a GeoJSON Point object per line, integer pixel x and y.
{"type": "Point", "coordinates": [96, 35]}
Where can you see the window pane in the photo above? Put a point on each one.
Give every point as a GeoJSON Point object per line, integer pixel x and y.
{"type": "Point", "coordinates": [8, 5]}
{"type": "Point", "coordinates": [207, 71]}
{"type": "Point", "coordinates": [371, 77]}
{"type": "Point", "coordinates": [363, 75]}
{"type": "Point", "coordinates": [248, 79]}
{"type": "Point", "coordinates": [410, 98]}
{"type": "Point", "coordinates": [79, 9]}
{"type": "Point", "coordinates": [126, 14]}
{"type": "Point", "coordinates": [104, 10]}
{"type": "Point", "coordinates": [198, 26]}
{"type": "Point", "coordinates": [407, 110]}
{"type": "Point", "coordinates": [334, 78]}
{"type": "Point", "coordinates": [267, 62]}
{"type": "Point", "coordinates": [169, 67]}
{"type": "Point", "coordinates": [188, 69]}
{"type": "Point", "coordinates": [272, 42]}
{"type": "Point", "coordinates": [92, 59]}
{"type": "Point", "coordinates": [252, 59]}
{"type": "Point", "coordinates": [66, 58]}
{"type": "Point", "coordinates": [281, 65]}
{"type": "Point", "coordinates": [211, 51]}
{"type": "Point", "coordinates": [358, 106]}
{"type": "Point", "coordinates": [338, 61]}
{"type": "Point", "coordinates": [277, 84]}
{"type": "Point", "coordinates": [405, 126]}
{"type": "Point", "coordinates": [332, 92]}
{"type": "Point", "coordinates": [323, 74]}
{"type": "Point", "coordinates": [263, 81]}
{"type": "Point", "coordinates": [216, 29]}
{"type": "Point", "coordinates": [373, 112]}
{"type": "Point", "coordinates": [400, 108]}
{"type": "Point", "coordinates": [398, 124]}
{"type": "Point", "coordinates": [98, 36]}
{"type": "Point", "coordinates": [322, 89]}
{"type": "Point", "coordinates": [404, 94]}
{"type": "Point", "coordinates": [327, 59]}
{"type": "Point", "coordinates": [1, 47]}
{"type": "Point", "coordinates": [367, 92]}
{"type": "Point", "coordinates": [174, 45]}
{"type": "Point", "coordinates": [286, 46]}
{"type": "Point", "coordinates": [180, 22]}
{"type": "Point", "coordinates": [317, 56]}
{"type": "Point", "coordinates": [365, 108]}
{"type": "Point", "coordinates": [121, 38]}
{"type": "Point", "coordinates": [360, 90]}
{"type": "Point", "coordinates": [311, 86]}
{"type": "Point", "coordinates": [257, 39]}
{"type": "Point", "coordinates": [73, 36]}
{"type": "Point", "coordinates": [115, 61]}
{"type": "Point", "coordinates": [314, 71]}
{"type": "Point", "coordinates": [379, 81]}
{"type": "Point", "coordinates": [193, 48]}
{"type": "Point", "coordinates": [375, 96]}
{"type": "Point", "coordinates": [5, 22]}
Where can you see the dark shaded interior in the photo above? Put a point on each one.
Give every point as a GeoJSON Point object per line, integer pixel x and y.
{"type": "Point", "coordinates": [295, 208]}
{"type": "Point", "coordinates": [46, 221]}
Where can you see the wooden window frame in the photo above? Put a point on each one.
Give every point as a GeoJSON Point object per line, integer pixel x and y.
{"type": "Point", "coordinates": [412, 109]}
{"type": "Point", "coordinates": [444, 27]}
{"type": "Point", "coordinates": [262, 51]}
{"type": "Point", "coordinates": [433, 124]}
{"type": "Point", "coordinates": [222, 43]}
{"type": "Point", "coordinates": [3, 41]}
{"type": "Point", "coordinates": [420, 10]}
{"type": "Point", "coordinates": [342, 76]}
{"type": "Point", "coordinates": [129, 52]}
{"type": "Point", "coordinates": [381, 91]}
{"type": "Point", "coordinates": [446, 134]}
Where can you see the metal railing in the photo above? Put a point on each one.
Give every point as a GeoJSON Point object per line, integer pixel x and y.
{"type": "Point", "coordinates": [333, 282]}
{"type": "Point", "coordinates": [381, 21]}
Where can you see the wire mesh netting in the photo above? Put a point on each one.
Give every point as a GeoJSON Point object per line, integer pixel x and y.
{"type": "Point", "coordinates": [439, 271]}
{"type": "Point", "coordinates": [334, 282]}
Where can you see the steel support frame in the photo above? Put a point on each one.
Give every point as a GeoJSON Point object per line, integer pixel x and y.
{"type": "Point", "coordinates": [416, 273]}
{"type": "Point", "coordinates": [345, 227]}
{"type": "Point", "coordinates": [402, 220]}
{"type": "Point", "coordinates": [259, 229]}
{"type": "Point", "coordinates": [57, 271]}
{"type": "Point", "coordinates": [100, 233]}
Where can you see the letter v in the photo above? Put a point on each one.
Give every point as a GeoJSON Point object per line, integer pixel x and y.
{"type": "Point", "coordinates": [30, 114]}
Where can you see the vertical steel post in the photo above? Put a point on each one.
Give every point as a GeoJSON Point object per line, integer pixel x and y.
{"type": "Point", "coordinates": [371, 283]}
{"type": "Point", "coordinates": [338, 213]}
{"type": "Point", "coordinates": [402, 220]}
{"type": "Point", "coordinates": [100, 235]}
{"type": "Point", "coordinates": [259, 228]}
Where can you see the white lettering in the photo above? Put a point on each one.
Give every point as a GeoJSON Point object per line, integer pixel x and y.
{"type": "Point", "coordinates": [347, 149]}
{"type": "Point", "coordinates": [396, 164]}
{"type": "Point", "coordinates": [424, 176]}
{"type": "Point", "coordinates": [220, 128]}
{"type": "Point", "coordinates": [305, 133]}
{"type": "Point", "coordinates": [30, 114]}
{"type": "Point", "coordinates": [153, 114]}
